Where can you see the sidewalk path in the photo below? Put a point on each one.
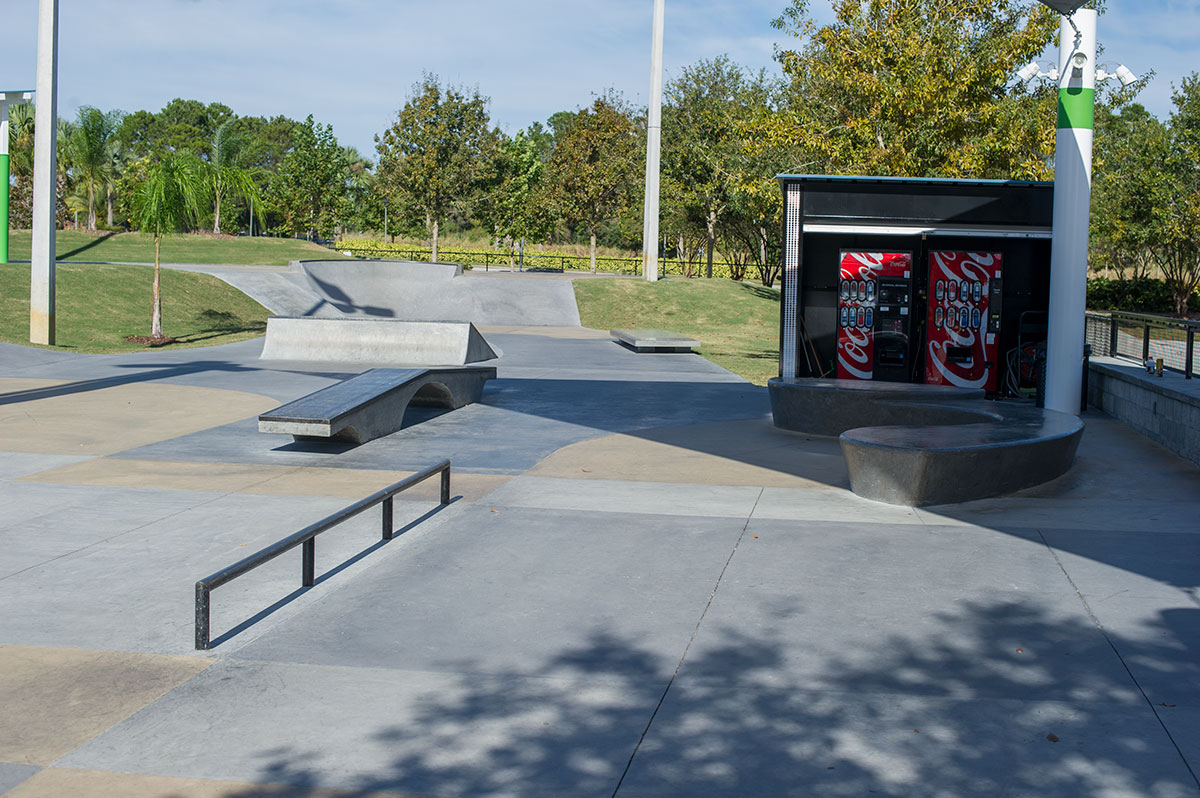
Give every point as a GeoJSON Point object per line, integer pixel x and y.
{"type": "Point", "coordinates": [642, 589]}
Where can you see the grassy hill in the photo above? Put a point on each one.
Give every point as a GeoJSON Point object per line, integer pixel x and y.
{"type": "Point", "coordinates": [99, 305]}
{"type": "Point", "coordinates": [184, 248]}
{"type": "Point", "coordinates": [736, 323]}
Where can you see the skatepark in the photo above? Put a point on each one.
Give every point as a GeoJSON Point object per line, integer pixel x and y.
{"type": "Point", "coordinates": [641, 586]}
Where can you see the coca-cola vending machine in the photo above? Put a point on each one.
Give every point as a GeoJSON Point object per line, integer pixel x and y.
{"type": "Point", "coordinates": [874, 302]}
{"type": "Point", "coordinates": [962, 333]}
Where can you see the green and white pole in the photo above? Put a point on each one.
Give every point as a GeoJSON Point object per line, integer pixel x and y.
{"type": "Point", "coordinates": [7, 98]}
{"type": "Point", "coordinates": [1072, 206]}
{"type": "Point", "coordinates": [45, 187]}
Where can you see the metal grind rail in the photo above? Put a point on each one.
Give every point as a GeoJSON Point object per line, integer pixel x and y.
{"type": "Point", "coordinates": [1142, 337]}
{"type": "Point", "coordinates": [307, 538]}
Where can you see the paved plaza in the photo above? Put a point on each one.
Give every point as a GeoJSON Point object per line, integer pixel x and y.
{"type": "Point", "coordinates": [642, 588]}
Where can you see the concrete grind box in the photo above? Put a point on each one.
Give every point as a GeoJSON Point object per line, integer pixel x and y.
{"type": "Point", "coordinates": [914, 280]}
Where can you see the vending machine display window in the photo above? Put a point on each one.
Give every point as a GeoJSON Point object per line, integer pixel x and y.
{"type": "Point", "coordinates": [961, 346]}
{"type": "Point", "coordinates": [874, 301]}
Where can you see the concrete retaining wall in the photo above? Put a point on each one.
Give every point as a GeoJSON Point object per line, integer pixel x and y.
{"type": "Point", "coordinates": [1165, 409]}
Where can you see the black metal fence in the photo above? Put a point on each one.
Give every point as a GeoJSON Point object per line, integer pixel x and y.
{"type": "Point", "coordinates": [1142, 337]}
{"type": "Point", "coordinates": [307, 538]}
{"type": "Point", "coordinates": [539, 262]}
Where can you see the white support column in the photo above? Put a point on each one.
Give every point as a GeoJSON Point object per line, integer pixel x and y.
{"type": "Point", "coordinates": [1072, 206]}
{"type": "Point", "coordinates": [653, 147]}
{"type": "Point", "coordinates": [45, 172]}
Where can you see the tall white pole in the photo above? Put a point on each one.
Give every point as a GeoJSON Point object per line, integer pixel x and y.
{"type": "Point", "coordinates": [45, 171]}
{"type": "Point", "coordinates": [1072, 204]}
{"type": "Point", "coordinates": [653, 147]}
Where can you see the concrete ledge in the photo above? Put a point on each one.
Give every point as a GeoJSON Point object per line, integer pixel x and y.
{"type": "Point", "coordinates": [918, 445]}
{"type": "Point", "coordinates": [1165, 409]}
{"type": "Point", "coordinates": [654, 340]}
{"type": "Point", "coordinates": [409, 343]}
{"type": "Point", "coordinates": [372, 404]}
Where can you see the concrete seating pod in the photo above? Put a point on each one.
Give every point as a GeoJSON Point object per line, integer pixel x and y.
{"type": "Point", "coordinates": [372, 404]}
{"type": "Point", "coordinates": [919, 445]}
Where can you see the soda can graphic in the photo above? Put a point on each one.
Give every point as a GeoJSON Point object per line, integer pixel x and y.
{"type": "Point", "coordinates": [870, 317]}
{"type": "Point", "coordinates": [862, 290]}
{"type": "Point", "coordinates": [976, 317]}
{"type": "Point", "coordinates": [965, 291]}
{"type": "Point", "coordinates": [939, 316]}
{"type": "Point", "coordinates": [870, 293]}
{"type": "Point", "coordinates": [964, 319]}
{"type": "Point", "coordinates": [862, 318]}
{"type": "Point", "coordinates": [977, 292]}
{"type": "Point", "coordinates": [952, 290]}
{"type": "Point", "coordinates": [844, 293]}
{"type": "Point", "coordinates": [939, 291]}
{"type": "Point", "coordinates": [842, 318]}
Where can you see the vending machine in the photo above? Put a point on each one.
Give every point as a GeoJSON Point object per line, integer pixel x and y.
{"type": "Point", "coordinates": [874, 303]}
{"type": "Point", "coordinates": [963, 327]}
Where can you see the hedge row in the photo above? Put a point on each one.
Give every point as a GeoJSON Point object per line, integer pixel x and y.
{"type": "Point", "coordinates": [1143, 295]}
{"type": "Point", "coordinates": [485, 256]}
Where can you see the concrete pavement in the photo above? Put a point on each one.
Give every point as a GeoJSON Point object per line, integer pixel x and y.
{"type": "Point", "coordinates": [642, 589]}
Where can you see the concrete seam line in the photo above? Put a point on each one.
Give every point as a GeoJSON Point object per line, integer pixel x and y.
{"type": "Point", "coordinates": [695, 631]}
{"type": "Point", "coordinates": [1087, 608]}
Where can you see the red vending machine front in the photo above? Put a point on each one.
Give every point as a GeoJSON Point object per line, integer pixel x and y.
{"type": "Point", "coordinates": [963, 329]}
{"type": "Point", "coordinates": [865, 278]}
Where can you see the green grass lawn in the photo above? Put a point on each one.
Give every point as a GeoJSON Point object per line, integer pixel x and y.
{"type": "Point", "coordinates": [98, 305]}
{"type": "Point", "coordinates": [737, 324]}
{"type": "Point", "coordinates": [182, 248]}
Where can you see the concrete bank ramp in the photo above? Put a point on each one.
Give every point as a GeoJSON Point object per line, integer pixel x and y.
{"type": "Point", "coordinates": [374, 341]}
{"type": "Point", "coordinates": [438, 292]}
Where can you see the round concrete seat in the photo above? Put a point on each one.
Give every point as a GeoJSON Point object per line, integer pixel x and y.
{"type": "Point", "coordinates": [918, 445]}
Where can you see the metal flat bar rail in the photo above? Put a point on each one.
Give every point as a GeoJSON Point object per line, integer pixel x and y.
{"type": "Point", "coordinates": [307, 538]}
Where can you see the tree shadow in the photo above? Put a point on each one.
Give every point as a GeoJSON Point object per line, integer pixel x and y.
{"type": "Point", "coordinates": [957, 706]}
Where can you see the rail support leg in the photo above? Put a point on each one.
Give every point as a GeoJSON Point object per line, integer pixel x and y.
{"type": "Point", "coordinates": [201, 616]}
{"type": "Point", "coordinates": [387, 518]}
{"type": "Point", "coordinates": [310, 562]}
{"type": "Point", "coordinates": [446, 485]}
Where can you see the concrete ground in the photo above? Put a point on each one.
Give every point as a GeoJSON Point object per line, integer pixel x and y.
{"type": "Point", "coordinates": [642, 589]}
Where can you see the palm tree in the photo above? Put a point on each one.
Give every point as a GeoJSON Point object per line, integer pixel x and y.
{"type": "Point", "coordinates": [166, 200]}
{"type": "Point", "coordinates": [225, 178]}
{"type": "Point", "coordinates": [88, 145]}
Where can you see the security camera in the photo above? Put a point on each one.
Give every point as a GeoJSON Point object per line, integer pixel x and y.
{"type": "Point", "coordinates": [1029, 72]}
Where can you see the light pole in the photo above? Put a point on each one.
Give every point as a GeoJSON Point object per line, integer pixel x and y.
{"type": "Point", "coordinates": [653, 147]}
{"type": "Point", "coordinates": [7, 98]}
{"type": "Point", "coordinates": [1076, 75]}
{"type": "Point", "coordinates": [385, 219]}
{"type": "Point", "coordinates": [45, 169]}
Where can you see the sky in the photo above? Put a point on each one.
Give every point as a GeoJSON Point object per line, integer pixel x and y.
{"type": "Point", "coordinates": [352, 63]}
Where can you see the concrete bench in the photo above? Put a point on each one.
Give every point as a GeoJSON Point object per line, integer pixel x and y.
{"type": "Point", "coordinates": [654, 340]}
{"type": "Point", "coordinates": [372, 404]}
{"type": "Point", "coordinates": [919, 445]}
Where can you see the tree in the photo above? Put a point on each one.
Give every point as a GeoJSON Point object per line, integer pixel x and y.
{"type": "Point", "coordinates": [89, 142]}
{"type": "Point", "coordinates": [1176, 245]}
{"type": "Point", "coordinates": [594, 166]}
{"type": "Point", "coordinates": [226, 179]}
{"type": "Point", "coordinates": [918, 88]}
{"type": "Point", "coordinates": [514, 211]}
{"type": "Point", "coordinates": [312, 179]}
{"type": "Point", "coordinates": [434, 154]}
{"type": "Point", "coordinates": [702, 140]}
{"type": "Point", "coordinates": [167, 200]}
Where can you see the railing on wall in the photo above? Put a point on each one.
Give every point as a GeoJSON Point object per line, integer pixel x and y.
{"type": "Point", "coordinates": [1142, 337]}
